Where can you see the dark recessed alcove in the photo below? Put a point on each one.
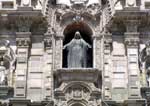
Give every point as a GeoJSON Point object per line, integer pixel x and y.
{"type": "Point", "coordinates": [86, 34]}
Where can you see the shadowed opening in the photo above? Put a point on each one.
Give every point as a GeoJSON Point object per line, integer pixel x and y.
{"type": "Point", "coordinates": [86, 34]}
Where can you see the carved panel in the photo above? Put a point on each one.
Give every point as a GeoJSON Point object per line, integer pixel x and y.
{"type": "Point", "coordinates": [77, 92]}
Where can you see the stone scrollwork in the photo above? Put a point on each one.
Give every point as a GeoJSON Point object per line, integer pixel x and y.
{"type": "Point", "coordinates": [74, 11]}
{"type": "Point", "coordinates": [7, 60]}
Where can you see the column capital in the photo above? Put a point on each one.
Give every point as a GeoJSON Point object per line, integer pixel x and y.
{"type": "Point", "coordinates": [132, 25]}
{"type": "Point", "coordinates": [23, 39]}
{"type": "Point", "coordinates": [131, 38]}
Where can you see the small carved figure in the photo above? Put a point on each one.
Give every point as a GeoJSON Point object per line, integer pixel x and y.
{"type": "Point", "coordinates": [77, 52]}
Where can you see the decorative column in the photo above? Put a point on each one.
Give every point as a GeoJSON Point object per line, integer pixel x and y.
{"type": "Point", "coordinates": [48, 59]}
{"type": "Point", "coordinates": [132, 46]}
{"type": "Point", "coordinates": [107, 66]}
{"type": "Point", "coordinates": [97, 52]}
{"type": "Point", "coordinates": [23, 35]}
{"type": "Point", "coordinates": [23, 42]}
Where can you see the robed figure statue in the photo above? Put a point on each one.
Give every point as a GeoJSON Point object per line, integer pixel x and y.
{"type": "Point", "coordinates": [77, 50]}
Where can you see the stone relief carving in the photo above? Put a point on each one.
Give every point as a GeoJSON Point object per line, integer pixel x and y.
{"type": "Point", "coordinates": [91, 11]}
{"type": "Point", "coordinates": [77, 92]}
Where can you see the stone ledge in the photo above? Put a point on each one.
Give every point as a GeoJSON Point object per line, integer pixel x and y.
{"type": "Point", "coordinates": [19, 101]}
{"type": "Point", "coordinates": [27, 102]}
{"type": "Point", "coordinates": [132, 102]}
{"type": "Point", "coordinates": [79, 74]}
{"type": "Point", "coordinates": [125, 102]}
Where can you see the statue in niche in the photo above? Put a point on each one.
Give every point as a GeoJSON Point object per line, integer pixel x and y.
{"type": "Point", "coordinates": [77, 52]}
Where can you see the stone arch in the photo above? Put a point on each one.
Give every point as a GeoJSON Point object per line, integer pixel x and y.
{"type": "Point", "coordinates": [77, 91]}
{"type": "Point", "coordinates": [83, 84]}
{"type": "Point", "coordinates": [86, 33]}
{"type": "Point", "coordinates": [82, 27]}
{"type": "Point", "coordinates": [77, 103]}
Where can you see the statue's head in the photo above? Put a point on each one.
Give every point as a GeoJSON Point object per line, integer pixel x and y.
{"type": "Point", "coordinates": [77, 35]}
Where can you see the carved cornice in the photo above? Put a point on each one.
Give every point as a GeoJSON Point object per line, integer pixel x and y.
{"type": "Point", "coordinates": [23, 20]}
{"type": "Point", "coordinates": [128, 19]}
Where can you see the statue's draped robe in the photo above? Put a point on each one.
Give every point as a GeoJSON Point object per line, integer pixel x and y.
{"type": "Point", "coordinates": [77, 53]}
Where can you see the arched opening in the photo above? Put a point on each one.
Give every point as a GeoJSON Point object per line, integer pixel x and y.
{"type": "Point", "coordinates": [77, 104]}
{"type": "Point", "coordinates": [86, 34]}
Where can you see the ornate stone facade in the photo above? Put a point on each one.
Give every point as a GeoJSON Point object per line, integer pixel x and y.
{"type": "Point", "coordinates": [33, 63]}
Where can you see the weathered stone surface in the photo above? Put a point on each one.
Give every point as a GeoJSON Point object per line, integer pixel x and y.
{"type": "Point", "coordinates": [32, 65]}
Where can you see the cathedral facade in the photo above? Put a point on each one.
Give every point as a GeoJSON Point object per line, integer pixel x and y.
{"type": "Point", "coordinates": [74, 52]}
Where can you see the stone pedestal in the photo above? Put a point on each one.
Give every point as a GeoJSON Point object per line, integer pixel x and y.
{"type": "Point", "coordinates": [20, 102]}
{"type": "Point", "coordinates": [133, 102]}
{"type": "Point", "coordinates": [79, 74]}
{"type": "Point", "coordinates": [5, 92]}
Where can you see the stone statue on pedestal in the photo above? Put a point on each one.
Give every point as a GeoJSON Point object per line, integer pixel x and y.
{"type": "Point", "coordinates": [77, 52]}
